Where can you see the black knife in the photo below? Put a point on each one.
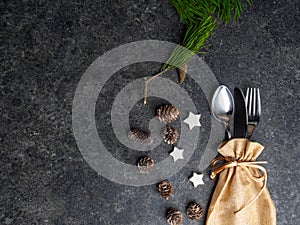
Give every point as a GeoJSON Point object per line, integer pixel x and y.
{"type": "Point", "coordinates": [240, 114]}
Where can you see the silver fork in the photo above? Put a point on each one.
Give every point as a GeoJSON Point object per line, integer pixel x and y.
{"type": "Point", "coordinates": [253, 108]}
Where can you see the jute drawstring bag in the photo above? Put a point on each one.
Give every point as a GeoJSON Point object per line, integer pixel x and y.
{"type": "Point", "coordinates": [241, 196]}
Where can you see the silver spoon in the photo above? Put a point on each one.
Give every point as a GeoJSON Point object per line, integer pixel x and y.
{"type": "Point", "coordinates": [222, 107]}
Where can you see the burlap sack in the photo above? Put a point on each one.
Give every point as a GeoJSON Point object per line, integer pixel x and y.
{"type": "Point", "coordinates": [241, 196]}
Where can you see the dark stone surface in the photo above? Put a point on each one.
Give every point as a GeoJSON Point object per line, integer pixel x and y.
{"type": "Point", "coordinates": [45, 48]}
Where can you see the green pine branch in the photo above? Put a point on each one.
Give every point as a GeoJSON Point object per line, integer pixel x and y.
{"type": "Point", "coordinates": [192, 11]}
{"type": "Point", "coordinates": [194, 41]}
{"type": "Point", "coordinates": [201, 17]}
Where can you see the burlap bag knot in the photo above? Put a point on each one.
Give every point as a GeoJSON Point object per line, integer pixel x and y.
{"type": "Point", "coordinates": [241, 196]}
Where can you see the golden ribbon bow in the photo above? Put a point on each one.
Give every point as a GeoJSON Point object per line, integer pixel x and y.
{"type": "Point", "coordinates": [231, 162]}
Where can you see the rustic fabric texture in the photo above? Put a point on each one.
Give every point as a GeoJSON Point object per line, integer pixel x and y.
{"type": "Point", "coordinates": [240, 196]}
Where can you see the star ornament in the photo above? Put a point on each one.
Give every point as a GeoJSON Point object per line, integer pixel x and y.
{"type": "Point", "coordinates": [177, 154]}
{"type": "Point", "coordinates": [193, 120]}
{"type": "Point", "coordinates": [197, 179]}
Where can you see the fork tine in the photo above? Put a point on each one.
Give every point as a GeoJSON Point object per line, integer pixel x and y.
{"type": "Point", "coordinates": [250, 102]}
{"type": "Point", "coordinates": [247, 98]}
{"type": "Point", "coordinates": [258, 103]}
{"type": "Point", "coordinates": [254, 102]}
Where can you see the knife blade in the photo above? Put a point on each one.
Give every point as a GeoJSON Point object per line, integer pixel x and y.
{"type": "Point", "coordinates": [240, 114]}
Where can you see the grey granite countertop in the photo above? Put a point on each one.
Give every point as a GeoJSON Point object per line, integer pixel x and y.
{"type": "Point", "coordinates": [46, 46]}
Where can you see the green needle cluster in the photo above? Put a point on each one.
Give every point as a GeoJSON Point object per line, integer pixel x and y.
{"type": "Point", "coordinates": [200, 17]}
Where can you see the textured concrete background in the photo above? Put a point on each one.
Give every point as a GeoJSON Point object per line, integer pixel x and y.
{"type": "Point", "coordinates": [45, 48]}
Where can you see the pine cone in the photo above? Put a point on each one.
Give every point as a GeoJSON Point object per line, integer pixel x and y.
{"type": "Point", "coordinates": [194, 211]}
{"type": "Point", "coordinates": [174, 217]}
{"type": "Point", "coordinates": [145, 164]}
{"type": "Point", "coordinates": [140, 136]}
{"type": "Point", "coordinates": [181, 73]}
{"type": "Point", "coordinates": [167, 113]}
{"type": "Point", "coordinates": [165, 189]}
{"type": "Point", "coordinates": [170, 135]}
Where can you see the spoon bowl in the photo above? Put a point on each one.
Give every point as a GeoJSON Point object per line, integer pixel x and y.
{"type": "Point", "coordinates": [222, 107]}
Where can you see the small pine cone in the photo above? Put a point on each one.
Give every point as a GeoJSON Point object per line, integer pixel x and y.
{"type": "Point", "coordinates": [182, 73]}
{"type": "Point", "coordinates": [170, 135]}
{"type": "Point", "coordinates": [140, 136]}
{"type": "Point", "coordinates": [194, 211]}
{"type": "Point", "coordinates": [174, 217]}
{"type": "Point", "coordinates": [145, 164]}
{"type": "Point", "coordinates": [167, 113]}
{"type": "Point", "coordinates": [165, 189]}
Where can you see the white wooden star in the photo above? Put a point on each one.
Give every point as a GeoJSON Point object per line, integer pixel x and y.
{"type": "Point", "coordinates": [197, 179]}
{"type": "Point", "coordinates": [193, 120]}
{"type": "Point", "coordinates": [177, 154]}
